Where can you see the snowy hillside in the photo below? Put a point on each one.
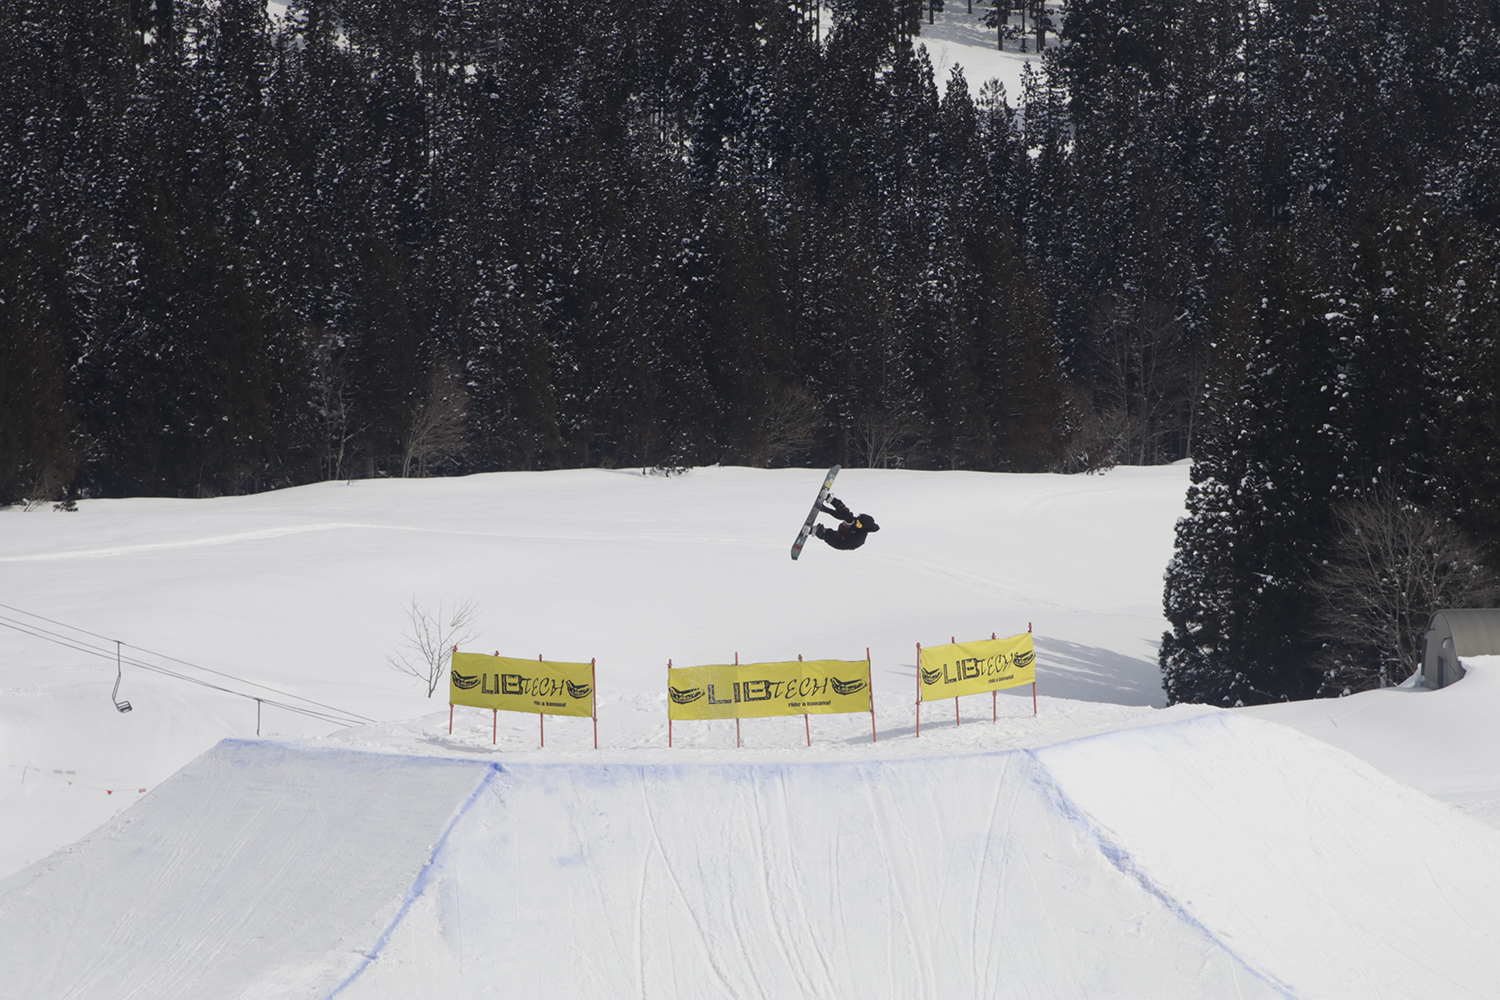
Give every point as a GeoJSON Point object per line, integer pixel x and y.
{"type": "Point", "coordinates": [304, 590]}
{"type": "Point", "coordinates": [266, 871]}
{"type": "Point", "coordinates": [957, 38]}
{"type": "Point", "coordinates": [1103, 846]}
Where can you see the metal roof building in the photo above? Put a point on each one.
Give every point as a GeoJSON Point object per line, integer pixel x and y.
{"type": "Point", "coordinates": [1452, 634]}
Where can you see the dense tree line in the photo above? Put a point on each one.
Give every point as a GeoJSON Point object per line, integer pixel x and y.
{"type": "Point", "coordinates": [458, 235]}
{"type": "Point", "coordinates": [386, 239]}
{"type": "Point", "coordinates": [1300, 199]}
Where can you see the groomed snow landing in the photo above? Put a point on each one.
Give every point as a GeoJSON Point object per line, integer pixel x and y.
{"type": "Point", "coordinates": [935, 877]}
{"type": "Point", "coordinates": [1214, 857]}
{"type": "Point", "coordinates": [258, 870]}
{"type": "Point", "coordinates": [1303, 860]}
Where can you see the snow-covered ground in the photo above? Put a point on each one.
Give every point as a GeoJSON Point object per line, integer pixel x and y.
{"type": "Point", "coordinates": [1447, 743]}
{"type": "Point", "coordinates": [1104, 846]}
{"type": "Point", "coordinates": [957, 38]}
{"type": "Point", "coordinates": [304, 590]}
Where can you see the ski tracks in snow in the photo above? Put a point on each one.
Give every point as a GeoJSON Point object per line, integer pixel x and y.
{"type": "Point", "coordinates": [1038, 873]}
{"type": "Point", "coordinates": [1041, 778]}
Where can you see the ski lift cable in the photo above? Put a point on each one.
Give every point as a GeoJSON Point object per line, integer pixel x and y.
{"type": "Point", "coordinates": [341, 716]}
{"type": "Point", "coordinates": [343, 720]}
{"type": "Point", "coordinates": [335, 715]}
{"type": "Point", "coordinates": [186, 663]}
{"type": "Point", "coordinates": [75, 628]}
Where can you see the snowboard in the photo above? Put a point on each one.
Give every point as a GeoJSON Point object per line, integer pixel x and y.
{"type": "Point", "coordinates": [812, 516]}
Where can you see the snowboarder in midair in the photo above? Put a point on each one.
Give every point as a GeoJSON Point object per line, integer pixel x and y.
{"type": "Point", "coordinates": [852, 529]}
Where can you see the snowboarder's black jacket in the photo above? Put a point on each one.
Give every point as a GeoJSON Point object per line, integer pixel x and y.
{"type": "Point", "coordinates": [851, 533]}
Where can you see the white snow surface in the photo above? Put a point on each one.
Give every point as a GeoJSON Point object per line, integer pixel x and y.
{"type": "Point", "coordinates": [1445, 742]}
{"type": "Point", "coordinates": [1102, 847]}
{"type": "Point", "coordinates": [957, 38]}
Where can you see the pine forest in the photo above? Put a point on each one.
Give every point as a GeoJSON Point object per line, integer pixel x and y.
{"type": "Point", "coordinates": [357, 239]}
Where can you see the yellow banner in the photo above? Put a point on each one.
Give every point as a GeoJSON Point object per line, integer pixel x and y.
{"type": "Point", "coordinates": [541, 687]}
{"type": "Point", "coordinates": [976, 667]}
{"type": "Point", "coordinates": [757, 690]}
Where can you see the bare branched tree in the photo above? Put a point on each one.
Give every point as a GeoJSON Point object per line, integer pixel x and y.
{"type": "Point", "coordinates": [438, 424]}
{"type": "Point", "coordinates": [332, 384]}
{"type": "Point", "coordinates": [48, 484]}
{"type": "Point", "coordinates": [1143, 374]}
{"type": "Point", "coordinates": [793, 417]}
{"type": "Point", "coordinates": [881, 436]}
{"type": "Point", "coordinates": [1390, 566]}
{"type": "Point", "coordinates": [1091, 443]}
{"type": "Point", "coordinates": [430, 637]}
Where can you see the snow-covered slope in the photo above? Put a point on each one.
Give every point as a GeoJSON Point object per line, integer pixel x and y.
{"type": "Point", "coordinates": [1445, 743]}
{"type": "Point", "coordinates": [1214, 856]}
{"type": "Point", "coordinates": [304, 590]}
{"type": "Point", "coordinates": [255, 865]}
{"type": "Point", "coordinates": [957, 38]}
{"type": "Point", "coordinates": [1103, 846]}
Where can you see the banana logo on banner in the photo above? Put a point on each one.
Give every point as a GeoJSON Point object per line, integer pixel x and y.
{"type": "Point", "coordinates": [541, 687]}
{"type": "Point", "coordinates": [759, 690]}
{"type": "Point", "coordinates": [976, 667]}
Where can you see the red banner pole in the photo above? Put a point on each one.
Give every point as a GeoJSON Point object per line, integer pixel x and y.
{"type": "Point", "coordinates": [495, 722]}
{"type": "Point", "coordinates": [541, 717]}
{"type": "Point", "coordinates": [807, 725]}
{"type": "Point", "coordinates": [874, 736]}
{"type": "Point", "coordinates": [450, 718]}
{"type": "Point", "coordinates": [736, 718]}
{"type": "Point", "coordinates": [994, 699]}
{"type": "Point", "coordinates": [957, 721]}
{"type": "Point", "coordinates": [594, 677]}
{"type": "Point", "coordinates": [669, 703]}
{"type": "Point", "coordinates": [1033, 676]}
{"type": "Point", "coordinates": [919, 690]}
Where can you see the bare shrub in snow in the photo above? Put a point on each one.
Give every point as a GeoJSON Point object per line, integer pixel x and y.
{"type": "Point", "coordinates": [882, 436]}
{"type": "Point", "coordinates": [1390, 566]}
{"type": "Point", "coordinates": [437, 426]}
{"type": "Point", "coordinates": [423, 651]}
{"type": "Point", "coordinates": [793, 420]}
{"type": "Point", "coordinates": [49, 484]}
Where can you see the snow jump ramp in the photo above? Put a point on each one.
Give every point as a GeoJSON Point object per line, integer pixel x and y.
{"type": "Point", "coordinates": [1216, 857]}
